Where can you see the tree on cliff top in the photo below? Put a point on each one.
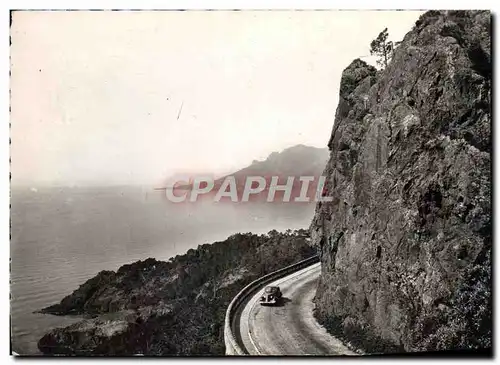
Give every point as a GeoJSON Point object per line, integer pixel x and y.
{"type": "Point", "coordinates": [382, 48]}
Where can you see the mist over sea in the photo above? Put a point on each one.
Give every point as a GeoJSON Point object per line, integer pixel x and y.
{"type": "Point", "coordinates": [61, 237]}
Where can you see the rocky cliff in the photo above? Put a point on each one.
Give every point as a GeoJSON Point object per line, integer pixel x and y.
{"type": "Point", "coordinates": [405, 243]}
{"type": "Point", "coordinates": [169, 308]}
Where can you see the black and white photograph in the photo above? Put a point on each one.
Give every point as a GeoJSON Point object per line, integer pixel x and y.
{"type": "Point", "coordinates": [250, 183]}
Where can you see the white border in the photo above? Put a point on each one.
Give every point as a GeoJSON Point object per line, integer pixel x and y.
{"type": "Point", "coordinates": [172, 4]}
{"type": "Point", "coordinates": [254, 4]}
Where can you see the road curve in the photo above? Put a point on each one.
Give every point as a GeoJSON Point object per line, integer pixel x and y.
{"type": "Point", "coordinates": [289, 329]}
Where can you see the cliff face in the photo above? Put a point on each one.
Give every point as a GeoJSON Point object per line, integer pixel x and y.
{"type": "Point", "coordinates": [405, 244]}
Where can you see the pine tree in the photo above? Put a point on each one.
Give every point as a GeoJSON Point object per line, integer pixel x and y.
{"type": "Point", "coordinates": [382, 48]}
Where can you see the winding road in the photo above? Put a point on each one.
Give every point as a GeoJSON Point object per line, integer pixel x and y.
{"type": "Point", "coordinates": [290, 328]}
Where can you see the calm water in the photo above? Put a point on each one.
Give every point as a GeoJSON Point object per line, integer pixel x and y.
{"type": "Point", "coordinates": [62, 237]}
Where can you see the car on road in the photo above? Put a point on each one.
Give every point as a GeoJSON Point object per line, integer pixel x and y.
{"type": "Point", "coordinates": [271, 295]}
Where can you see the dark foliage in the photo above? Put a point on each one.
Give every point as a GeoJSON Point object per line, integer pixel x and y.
{"type": "Point", "coordinates": [171, 308]}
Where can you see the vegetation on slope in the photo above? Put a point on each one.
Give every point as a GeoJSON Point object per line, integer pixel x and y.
{"type": "Point", "coordinates": [177, 307]}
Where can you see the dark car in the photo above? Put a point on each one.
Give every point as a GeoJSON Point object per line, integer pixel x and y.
{"type": "Point", "coordinates": [271, 295]}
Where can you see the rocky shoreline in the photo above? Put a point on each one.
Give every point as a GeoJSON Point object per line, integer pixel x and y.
{"type": "Point", "coordinates": [172, 308]}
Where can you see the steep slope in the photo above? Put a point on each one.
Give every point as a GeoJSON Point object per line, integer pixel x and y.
{"type": "Point", "coordinates": [177, 307]}
{"type": "Point", "coordinates": [295, 161]}
{"type": "Point", "coordinates": [405, 244]}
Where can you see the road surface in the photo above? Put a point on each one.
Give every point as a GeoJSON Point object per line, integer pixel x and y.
{"type": "Point", "coordinates": [288, 329]}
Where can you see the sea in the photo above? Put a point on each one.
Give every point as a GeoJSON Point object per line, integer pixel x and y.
{"type": "Point", "coordinates": [63, 236]}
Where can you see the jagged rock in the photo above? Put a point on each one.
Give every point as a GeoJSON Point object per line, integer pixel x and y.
{"type": "Point", "coordinates": [90, 337]}
{"type": "Point", "coordinates": [131, 286]}
{"type": "Point", "coordinates": [177, 307]}
{"type": "Point", "coordinates": [405, 244]}
{"type": "Point", "coordinates": [76, 302]}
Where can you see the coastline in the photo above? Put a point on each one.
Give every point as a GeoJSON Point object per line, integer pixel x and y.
{"type": "Point", "coordinates": [128, 307]}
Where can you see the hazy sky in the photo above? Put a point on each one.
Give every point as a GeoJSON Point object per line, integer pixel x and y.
{"type": "Point", "coordinates": [96, 96]}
